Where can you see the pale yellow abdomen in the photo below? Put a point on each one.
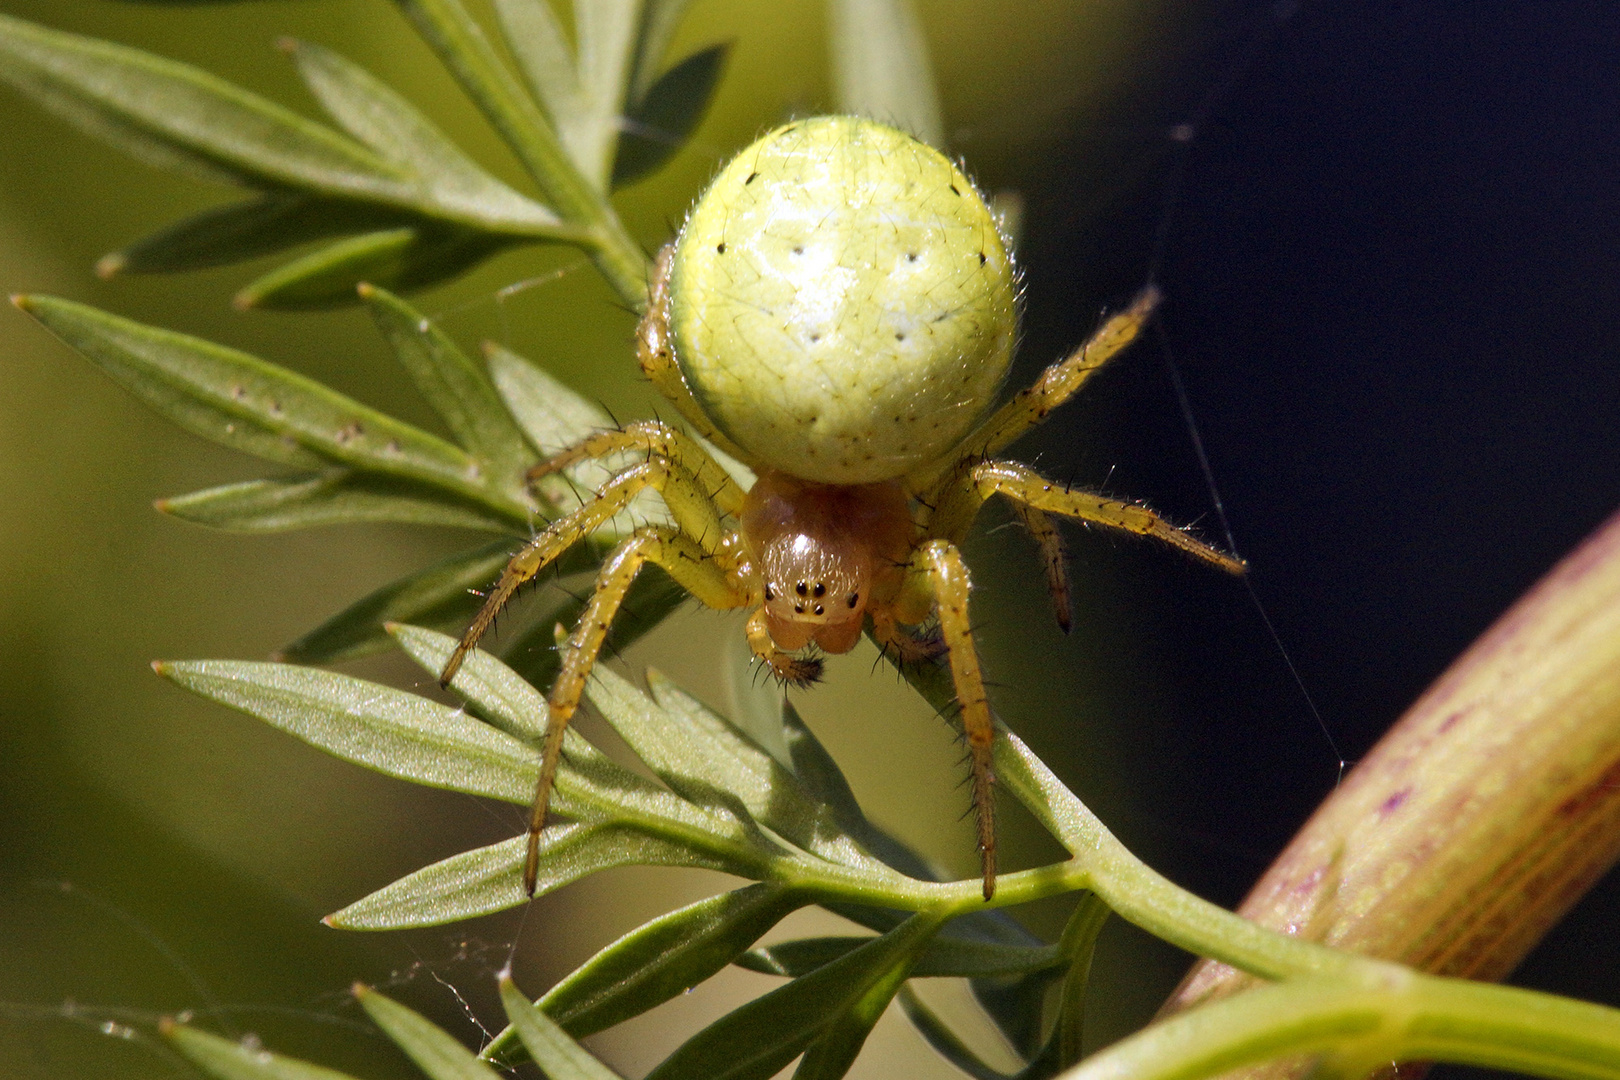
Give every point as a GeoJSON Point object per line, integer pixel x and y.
{"type": "Point", "coordinates": [842, 304]}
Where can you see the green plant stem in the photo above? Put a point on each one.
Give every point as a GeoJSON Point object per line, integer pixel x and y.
{"type": "Point", "coordinates": [461, 43]}
{"type": "Point", "coordinates": [1132, 889]}
{"type": "Point", "coordinates": [1389, 1014]}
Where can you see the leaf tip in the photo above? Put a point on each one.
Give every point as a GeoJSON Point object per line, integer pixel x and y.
{"type": "Point", "coordinates": [111, 265]}
{"type": "Point", "coordinates": [327, 920]}
{"type": "Point", "coordinates": [167, 1026]}
{"type": "Point", "coordinates": [287, 44]}
{"type": "Point", "coordinates": [360, 991]}
{"type": "Point", "coordinates": [366, 290]}
{"type": "Point", "coordinates": [246, 300]}
{"type": "Point", "coordinates": [22, 302]}
{"type": "Point", "coordinates": [161, 667]}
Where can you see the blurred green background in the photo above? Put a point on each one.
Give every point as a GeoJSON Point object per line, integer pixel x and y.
{"type": "Point", "coordinates": [1386, 211]}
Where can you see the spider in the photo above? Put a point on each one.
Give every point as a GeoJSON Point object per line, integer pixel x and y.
{"type": "Point", "coordinates": [838, 312]}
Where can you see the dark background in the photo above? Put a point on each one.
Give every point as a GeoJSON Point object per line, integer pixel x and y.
{"type": "Point", "coordinates": [1389, 252]}
{"type": "Point", "coordinates": [1390, 260]}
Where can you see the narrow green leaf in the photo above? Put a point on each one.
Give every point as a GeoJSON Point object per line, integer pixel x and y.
{"type": "Point", "coordinates": [558, 1056]}
{"type": "Point", "coordinates": [459, 40]}
{"type": "Point", "coordinates": [499, 693]}
{"type": "Point", "coordinates": [661, 122]}
{"type": "Point", "coordinates": [511, 704]}
{"type": "Point", "coordinates": [455, 387]}
{"type": "Point", "coordinates": [373, 112]}
{"type": "Point", "coordinates": [388, 730]}
{"type": "Point", "coordinates": [553, 417]}
{"type": "Point", "coordinates": [1079, 942]}
{"type": "Point", "coordinates": [332, 498]}
{"type": "Point", "coordinates": [831, 1055]}
{"type": "Point", "coordinates": [541, 47]}
{"type": "Point", "coordinates": [405, 258]}
{"type": "Point", "coordinates": [755, 702]}
{"type": "Point", "coordinates": [583, 90]}
{"type": "Point", "coordinates": [818, 772]}
{"type": "Point", "coordinates": [945, 1041]}
{"type": "Point", "coordinates": [435, 1051]}
{"type": "Point", "coordinates": [756, 1040]}
{"type": "Point", "coordinates": [664, 958]}
{"type": "Point", "coordinates": [711, 751]}
{"type": "Point", "coordinates": [880, 66]}
{"type": "Point", "coordinates": [951, 957]}
{"type": "Point", "coordinates": [552, 414]}
{"type": "Point", "coordinates": [439, 596]}
{"type": "Point", "coordinates": [1015, 1006]}
{"type": "Point", "coordinates": [683, 754]}
{"type": "Point", "coordinates": [533, 653]}
{"type": "Point", "coordinates": [226, 1059]}
{"type": "Point", "coordinates": [247, 229]}
{"type": "Point", "coordinates": [245, 403]}
{"type": "Point", "coordinates": [176, 114]}
{"type": "Point", "coordinates": [490, 879]}
{"type": "Point", "coordinates": [606, 31]}
{"type": "Point", "coordinates": [659, 21]}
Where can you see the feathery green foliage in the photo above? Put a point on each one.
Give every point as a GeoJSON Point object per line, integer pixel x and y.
{"type": "Point", "coordinates": [395, 204]}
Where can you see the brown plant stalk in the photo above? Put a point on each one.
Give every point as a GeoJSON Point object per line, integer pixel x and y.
{"type": "Point", "coordinates": [1484, 813]}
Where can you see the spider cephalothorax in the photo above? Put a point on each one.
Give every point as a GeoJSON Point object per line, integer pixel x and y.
{"type": "Point", "coordinates": [838, 313]}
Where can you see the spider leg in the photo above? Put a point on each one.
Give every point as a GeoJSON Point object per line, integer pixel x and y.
{"type": "Point", "coordinates": [973, 486]}
{"type": "Point", "coordinates": [693, 510]}
{"type": "Point", "coordinates": [1055, 385]}
{"type": "Point", "coordinates": [656, 353]}
{"type": "Point", "coordinates": [906, 648]}
{"type": "Point", "coordinates": [689, 564]}
{"type": "Point", "coordinates": [939, 565]}
{"type": "Point", "coordinates": [1053, 559]}
{"type": "Point", "coordinates": [657, 439]}
{"type": "Point", "coordinates": [790, 669]}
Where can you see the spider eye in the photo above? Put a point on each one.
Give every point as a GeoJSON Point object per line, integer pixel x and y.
{"type": "Point", "coordinates": [769, 595]}
{"type": "Point", "coordinates": [854, 598]}
{"type": "Point", "coordinates": [820, 610]}
{"type": "Point", "coordinates": [820, 590]}
{"type": "Point", "coordinates": [802, 589]}
{"type": "Point", "coordinates": [798, 608]}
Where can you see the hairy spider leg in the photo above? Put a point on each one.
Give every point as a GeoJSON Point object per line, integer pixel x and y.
{"type": "Point", "coordinates": [937, 568]}
{"type": "Point", "coordinates": [900, 644]}
{"type": "Point", "coordinates": [794, 671]}
{"type": "Point", "coordinates": [973, 485]}
{"type": "Point", "coordinates": [693, 510]}
{"type": "Point", "coordinates": [1054, 559]}
{"type": "Point", "coordinates": [1057, 384]}
{"type": "Point", "coordinates": [1022, 485]}
{"type": "Point", "coordinates": [658, 439]}
{"type": "Point", "coordinates": [685, 560]}
{"type": "Point", "coordinates": [657, 357]}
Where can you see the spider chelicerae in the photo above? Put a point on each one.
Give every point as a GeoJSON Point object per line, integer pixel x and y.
{"type": "Point", "coordinates": [838, 312]}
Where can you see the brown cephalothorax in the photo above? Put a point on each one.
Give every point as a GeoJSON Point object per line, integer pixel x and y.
{"type": "Point", "coordinates": [837, 314]}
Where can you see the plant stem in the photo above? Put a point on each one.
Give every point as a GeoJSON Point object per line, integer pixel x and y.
{"type": "Point", "coordinates": [461, 43]}
{"type": "Point", "coordinates": [1388, 1014]}
{"type": "Point", "coordinates": [1484, 813]}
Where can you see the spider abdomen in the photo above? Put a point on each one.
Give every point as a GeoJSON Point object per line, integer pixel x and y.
{"type": "Point", "coordinates": [841, 302]}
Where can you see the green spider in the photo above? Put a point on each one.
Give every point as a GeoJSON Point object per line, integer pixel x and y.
{"type": "Point", "coordinates": [838, 312]}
